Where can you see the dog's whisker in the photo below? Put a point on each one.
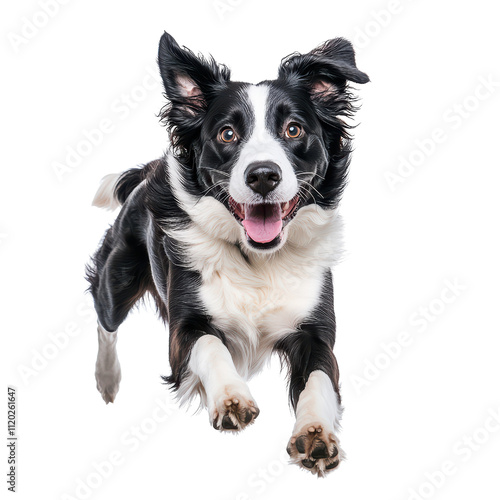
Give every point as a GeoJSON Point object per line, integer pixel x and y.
{"type": "Point", "coordinates": [310, 174]}
{"type": "Point", "coordinates": [217, 184]}
{"type": "Point", "coordinates": [218, 171]}
{"type": "Point", "coordinates": [311, 186]}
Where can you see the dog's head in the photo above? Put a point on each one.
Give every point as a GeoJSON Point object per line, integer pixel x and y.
{"type": "Point", "coordinates": [264, 151]}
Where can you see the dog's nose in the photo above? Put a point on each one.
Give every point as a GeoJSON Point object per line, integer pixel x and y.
{"type": "Point", "coordinates": [262, 177]}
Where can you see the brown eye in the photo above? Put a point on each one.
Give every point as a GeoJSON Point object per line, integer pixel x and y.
{"type": "Point", "coordinates": [227, 135]}
{"type": "Point", "coordinates": [293, 131]}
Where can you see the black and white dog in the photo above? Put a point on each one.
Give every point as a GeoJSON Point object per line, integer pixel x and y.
{"type": "Point", "coordinates": [234, 233]}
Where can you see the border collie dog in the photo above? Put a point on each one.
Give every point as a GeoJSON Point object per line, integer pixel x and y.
{"type": "Point", "coordinates": [234, 233]}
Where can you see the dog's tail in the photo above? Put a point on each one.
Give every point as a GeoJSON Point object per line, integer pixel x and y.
{"type": "Point", "coordinates": [116, 188]}
{"type": "Point", "coordinates": [106, 196]}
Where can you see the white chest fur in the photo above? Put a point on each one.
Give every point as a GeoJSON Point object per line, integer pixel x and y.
{"type": "Point", "coordinates": [256, 303]}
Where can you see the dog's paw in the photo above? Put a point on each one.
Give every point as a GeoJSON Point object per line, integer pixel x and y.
{"type": "Point", "coordinates": [315, 448]}
{"type": "Point", "coordinates": [108, 382]}
{"type": "Point", "coordinates": [233, 410]}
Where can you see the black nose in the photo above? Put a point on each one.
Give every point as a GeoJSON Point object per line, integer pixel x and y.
{"type": "Point", "coordinates": [262, 176]}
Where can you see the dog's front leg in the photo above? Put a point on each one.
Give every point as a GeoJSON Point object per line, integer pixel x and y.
{"type": "Point", "coordinates": [314, 444]}
{"type": "Point", "coordinates": [229, 402]}
{"type": "Point", "coordinates": [200, 361]}
{"type": "Point", "coordinates": [314, 390]}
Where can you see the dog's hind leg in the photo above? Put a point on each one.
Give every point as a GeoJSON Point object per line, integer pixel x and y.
{"type": "Point", "coordinates": [107, 368]}
{"type": "Point", "coordinates": [120, 277]}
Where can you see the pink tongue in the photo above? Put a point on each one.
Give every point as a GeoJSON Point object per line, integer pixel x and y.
{"type": "Point", "coordinates": [263, 222]}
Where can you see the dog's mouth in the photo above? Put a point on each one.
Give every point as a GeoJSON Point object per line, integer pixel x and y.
{"type": "Point", "coordinates": [264, 222]}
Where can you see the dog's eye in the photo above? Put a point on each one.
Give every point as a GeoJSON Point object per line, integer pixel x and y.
{"type": "Point", "coordinates": [227, 135]}
{"type": "Point", "coordinates": [293, 130]}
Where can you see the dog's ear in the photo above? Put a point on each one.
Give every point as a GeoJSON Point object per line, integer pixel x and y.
{"type": "Point", "coordinates": [325, 70]}
{"type": "Point", "coordinates": [189, 81]}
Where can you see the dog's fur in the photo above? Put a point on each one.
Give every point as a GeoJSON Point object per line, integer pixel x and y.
{"type": "Point", "coordinates": [234, 233]}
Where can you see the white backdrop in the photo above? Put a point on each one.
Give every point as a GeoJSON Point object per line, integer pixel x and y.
{"type": "Point", "coordinates": [416, 297]}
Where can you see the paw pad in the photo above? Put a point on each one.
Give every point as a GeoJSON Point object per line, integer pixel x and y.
{"type": "Point", "coordinates": [234, 414]}
{"type": "Point", "coordinates": [315, 449]}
